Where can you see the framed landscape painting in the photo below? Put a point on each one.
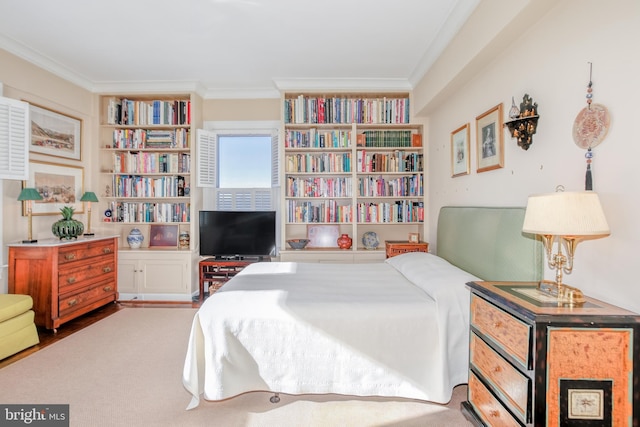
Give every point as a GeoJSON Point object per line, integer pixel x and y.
{"type": "Point", "coordinates": [59, 186]}
{"type": "Point", "coordinates": [54, 133]}
{"type": "Point", "coordinates": [489, 139]}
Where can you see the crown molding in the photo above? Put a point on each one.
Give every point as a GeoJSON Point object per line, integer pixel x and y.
{"type": "Point", "coordinates": [349, 84]}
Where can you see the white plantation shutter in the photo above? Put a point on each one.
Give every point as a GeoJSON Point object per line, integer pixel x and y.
{"type": "Point", "coordinates": [275, 160]}
{"type": "Point", "coordinates": [15, 130]}
{"type": "Point", "coordinates": [207, 152]}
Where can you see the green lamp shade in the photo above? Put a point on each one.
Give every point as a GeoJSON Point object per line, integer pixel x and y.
{"type": "Point", "coordinates": [89, 196]}
{"type": "Point", "coordinates": [29, 194]}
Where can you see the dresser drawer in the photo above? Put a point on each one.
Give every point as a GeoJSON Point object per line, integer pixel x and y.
{"type": "Point", "coordinates": [82, 274]}
{"type": "Point", "coordinates": [487, 406]}
{"type": "Point", "coordinates": [73, 301]}
{"type": "Point", "coordinates": [79, 252]}
{"type": "Point", "coordinates": [513, 387]}
{"type": "Point", "coordinates": [509, 333]}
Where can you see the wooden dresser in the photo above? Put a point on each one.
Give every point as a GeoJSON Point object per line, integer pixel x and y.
{"type": "Point", "coordinates": [65, 278]}
{"type": "Point", "coordinates": [534, 363]}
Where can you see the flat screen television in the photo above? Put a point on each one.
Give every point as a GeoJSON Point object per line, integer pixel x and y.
{"type": "Point", "coordinates": [237, 234]}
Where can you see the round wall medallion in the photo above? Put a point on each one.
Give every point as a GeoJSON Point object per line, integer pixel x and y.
{"type": "Point", "coordinates": [591, 126]}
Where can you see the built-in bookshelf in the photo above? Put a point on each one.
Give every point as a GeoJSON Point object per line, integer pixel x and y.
{"type": "Point", "coordinates": [351, 160]}
{"type": "Point", "coordinates": [146, 160]}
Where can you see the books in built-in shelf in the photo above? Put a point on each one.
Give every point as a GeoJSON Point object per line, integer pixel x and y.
{"type": "Point", "coordinates": [149, 212]}
{"type": "Point", "coordinates": [128, 112]}
{"type": "Point", "coordinates": [396, 161]}
{"type": "Point", "coordinates": [318, 162]}
{"type": "Point", "coordinates": [149, 138]}
{"type": "Point", "coordinates": [346, 109]}
{"type": "Point", "coordinates": [401, 211]}
{"type": "Point", "coordinates": [329, 211]}
{"type": "Point", "coordinates": [151, 162]}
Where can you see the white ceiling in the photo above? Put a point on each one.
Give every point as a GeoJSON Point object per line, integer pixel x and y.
{"type": "Point", "coordinates": [232, 48]}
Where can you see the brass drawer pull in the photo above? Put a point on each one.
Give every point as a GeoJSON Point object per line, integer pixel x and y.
{"type": "Point", "coordinates": [494, 413]}
{"type": "Point", "coordinates": [106, 269]}
{"type": "Point", "coordinates": [72, 302]}
{"type": "Point", "coordinates": [497, 324]}
{"type": "Point", "coordinates": [107, 288]}
{"type": "Point", "coordinates": [71, 280]}
{"type": "Point", "coordinates": [497, 369]}
{"type": "Point", "coordinates": [106, 250]}
{"type": "Point", "coordinates": [70, 256]}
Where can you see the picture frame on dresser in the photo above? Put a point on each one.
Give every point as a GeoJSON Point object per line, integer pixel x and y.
{"type": "Point", "coordinates": [59, 185]}
{"type": "Point", "coordinates": [55, 134]}
{"type": "Point", "coordinates": [460, 151]}
{"type": "Point", "coordinates": [490, 139]}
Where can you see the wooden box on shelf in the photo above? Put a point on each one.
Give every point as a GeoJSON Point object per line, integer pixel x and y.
{"type": "Point", "coordinates": [399, 247]}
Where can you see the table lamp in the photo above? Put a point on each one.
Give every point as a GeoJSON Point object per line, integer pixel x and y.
{"type": "Point", "coordinates": [568, 218]}
{"type": "Point", "coordinates": [89, 197]}
{"type": "Point", "coordinates": [28, 195]}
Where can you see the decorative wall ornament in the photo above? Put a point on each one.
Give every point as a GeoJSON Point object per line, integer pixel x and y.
{"type": "Point", "coordinates": [590, 128]}
{"type": "Point", "coordinates": [524, 121]}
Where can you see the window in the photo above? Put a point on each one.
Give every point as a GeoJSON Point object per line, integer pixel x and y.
{"type": "Point", "coordinates": [239, 162]}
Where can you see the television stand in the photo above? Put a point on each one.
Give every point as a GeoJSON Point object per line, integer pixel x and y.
{"type": "Point", "coordinates": [216, 271]}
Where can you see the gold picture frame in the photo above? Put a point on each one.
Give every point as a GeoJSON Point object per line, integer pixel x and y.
{"type": "Point", "coordinates": [55, 134]}
{"type": "Point", "coordinates": [490, 139]}
{"type": "Point", "coordinates": [414, 237]}
{"type": "Point", "coordinates": [59, 186]}
{"type": "Point", "coordinates": [460, 151]}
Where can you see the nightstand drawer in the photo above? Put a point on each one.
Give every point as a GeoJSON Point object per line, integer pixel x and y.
{"type": "Point", "coordinates": [504, 330]}
{"type": "Point", "coordinates": [487, 406]}
{"type": "Point", "coordinates": [512, 386]}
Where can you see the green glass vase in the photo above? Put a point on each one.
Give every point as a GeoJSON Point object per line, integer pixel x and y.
{"type": "Point", "coordinates": [67, 228]}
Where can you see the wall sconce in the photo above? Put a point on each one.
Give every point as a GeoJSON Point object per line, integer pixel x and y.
{"type": "Point", "coordinates": [569, 218]}
{"type": "Point", "coordinates": [89, 197]}
{"type": "Point", "coordinates": [28, 195]}
{"type": "Point", "coordinates": [524, 121]}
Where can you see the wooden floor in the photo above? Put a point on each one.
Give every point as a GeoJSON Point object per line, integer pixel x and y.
{"type": "Point", "coordinates": [48, 337]}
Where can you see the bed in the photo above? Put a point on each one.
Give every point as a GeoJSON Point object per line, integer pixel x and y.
{"type": "Point", "coordinates": [397, 328]}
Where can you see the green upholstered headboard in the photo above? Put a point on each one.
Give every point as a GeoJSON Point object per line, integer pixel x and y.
{"type": "Point", "coordinates": [488, 242]}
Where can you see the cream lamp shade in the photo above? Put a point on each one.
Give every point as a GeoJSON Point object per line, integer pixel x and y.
{"type": "Point", "coordinates": [568, 213]}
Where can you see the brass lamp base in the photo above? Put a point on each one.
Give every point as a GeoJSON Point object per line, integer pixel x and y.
{"type": "Point", "coordinates": [564, 294]}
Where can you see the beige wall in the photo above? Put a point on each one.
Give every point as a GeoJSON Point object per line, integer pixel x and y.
{"type": "Point", "coordinates": [25, 81]}
{"type": "Point", "coordinates": [547, 57]}
{"type": "Point", "coordinates": [241, 109]}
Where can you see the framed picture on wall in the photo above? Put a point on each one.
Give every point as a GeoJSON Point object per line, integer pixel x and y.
{"type": "Point", "coordinates": [54, 133]}
{"type": "Point", "coordinates": [460, 163]}
{"type": "Point", "coordinates": [59, 186]}
{"type": "Point", "coordinates": [489, 139]}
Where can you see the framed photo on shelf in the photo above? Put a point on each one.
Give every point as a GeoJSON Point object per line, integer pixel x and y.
{"type": "Point", "coordinates": [414, 237]}
{"type": "Point", "coordinates": [54, 133]}
{"type": "Point", "coordinates": [460, 163]}
{"type": "Point", "coordinates": [59, 186]}
{"type": "Point", "coordinates": [323, 236]}
{"type": "Point", "coordinates": [163, 236]}
{"type": "Point", "coordinates": [489, 139]}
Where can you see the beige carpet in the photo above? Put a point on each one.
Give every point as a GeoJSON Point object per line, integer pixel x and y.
{"type": "Point", "coordinates": [125, 370]}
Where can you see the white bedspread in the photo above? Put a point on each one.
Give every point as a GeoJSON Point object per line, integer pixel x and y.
{"type": "Point", "coordinates": [398, 328]}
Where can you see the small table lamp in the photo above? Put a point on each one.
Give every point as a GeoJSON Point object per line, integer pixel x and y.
{"type": "Point", "coordinates": [89, 197]}
{"type": "Point", "coordinates": [28, 195]}
{"type": "Point", "coordinates": [569, 218]}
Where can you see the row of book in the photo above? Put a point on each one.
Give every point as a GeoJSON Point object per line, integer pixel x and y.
{"type": "Point", "coordinates": [389, 138]}
{"type": "Point", "coordinates": [150, 162]}
{"type": "Point", "coordinates": [325, 211]}
{"type": "Point", "coordinates": [406, 186]}
{"type": "Point", "coordinates": [150, 138]}
{"type": "Point", "coordinates": [318, 163]}
{"type": "Point", "coordinates": [397, 161]}
{"type": "Point", "coordinates": [142, 186]}
{"type": "Point", "coordinates": [319, 187]}
{"type": "Point", "coordinates": [398, 212]}
{"type": "Point", "coordinates": [310, 109]}
{"type": "Point", "coordinates": [313, 138]}
{"type": "Point", "coordinates": [128, 112]}
{"type": "Point", "coordinates": [149, 212]}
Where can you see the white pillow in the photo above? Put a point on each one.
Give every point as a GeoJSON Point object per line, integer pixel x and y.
{"type": "Point", "coordinates": [435, 275]}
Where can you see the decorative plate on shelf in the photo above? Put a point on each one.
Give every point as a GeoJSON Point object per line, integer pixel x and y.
{"type": "Point", "coordinates": [370, 240]}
